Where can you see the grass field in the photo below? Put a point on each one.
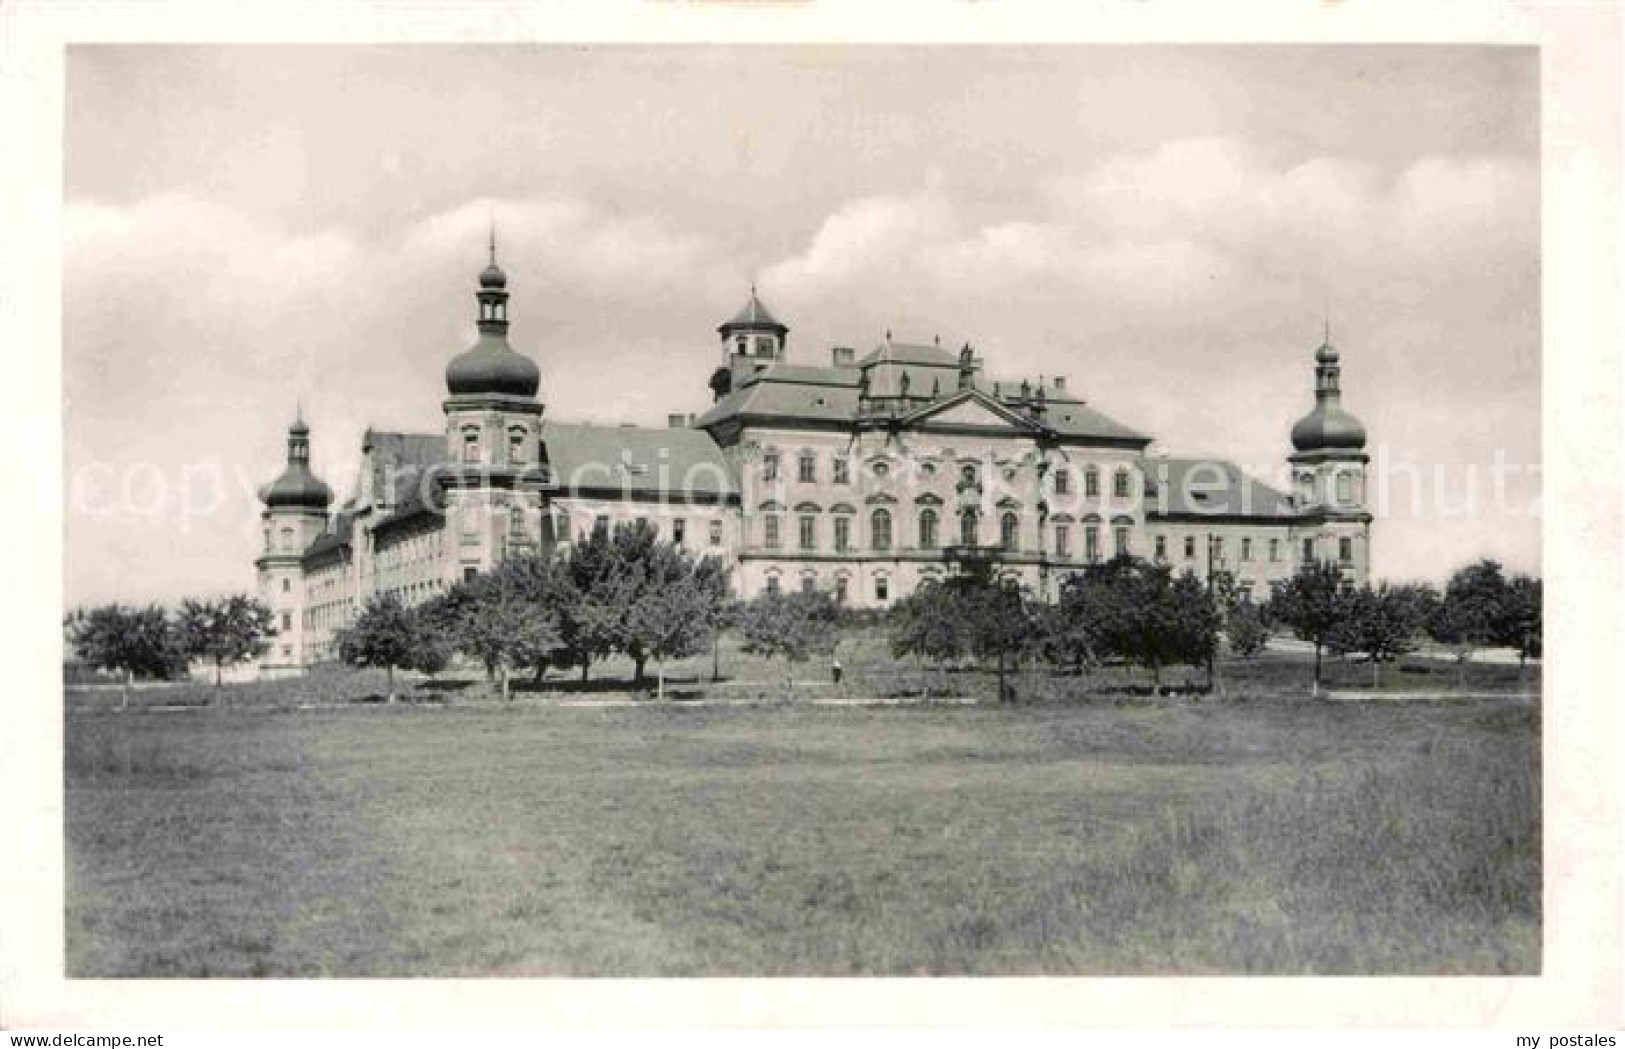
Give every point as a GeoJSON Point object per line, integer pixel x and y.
{"type": "Point", "coordinates": [1268, 834]}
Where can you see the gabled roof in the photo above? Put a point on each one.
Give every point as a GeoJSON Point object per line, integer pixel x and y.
{"type": "Point", "coordinates": [1001, 413]}
{"type": "Point", "coordinates": [643, 461]}
{"type": "Point", "coordinates": [1202, 487]}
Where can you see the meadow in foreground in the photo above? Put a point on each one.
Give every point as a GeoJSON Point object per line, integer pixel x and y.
{"type": "Point", "coordinates": [1094, 837]}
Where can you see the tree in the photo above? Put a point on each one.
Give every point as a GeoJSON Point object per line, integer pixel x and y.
{"type": "Point", "coordinates": [1383, 623]}
{"type": "Point", "coordinates": [605, 572]}
{"type": "Point", "coordinates": [492, 618]}
{"type": "Point", "coordinates": [1071, 631]}
{"type": "Point", "coordinates": [229, 630]}
{"type": "Point", "coordinates": [385, 634]}
{"type": "Point", "coordinates": [1471, 614]}
{"type": "Point", "coordinates": [1520, 622]}
{"type": "Point", "coordinates": [1246, 630]}
{"type": "Point", "coordinates": [541, 582]}
{"type": "Point", "coordinates": [1312, 604]}
{"type": "Point", "coordinates": [927, 625]}
{"type": "Point", "coordinates": [791, 627]}
{"type": "Point", "coordinates": [997, 622]}
{"type": "Point", "coordinates": [678, 608]}
{"type": "Point", "coordinates": [1149, 618]}
{"type": "Point", "coordinates": [127, 641]}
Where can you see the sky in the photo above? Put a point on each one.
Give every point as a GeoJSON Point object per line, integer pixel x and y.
{"type": "Point", "coordinates": [253, 228]}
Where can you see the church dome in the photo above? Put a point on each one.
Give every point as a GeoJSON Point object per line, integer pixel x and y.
{"type": "Point", "coordinates": [1328, 426]}
{"type": "Point", "coordinates": [492, 366]}
{"type": "Point", "coordinates": [493, 277]}
{"type": "Point", "coordinates": [297, 488]}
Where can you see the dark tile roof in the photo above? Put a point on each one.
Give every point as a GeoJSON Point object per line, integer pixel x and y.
{"type": "Point", "coordinates": [1209, 488]}
{"type": "Point", "coordinates": [337, 536]}
{"type": "Point", "coordinates": [420, 449]}
{"type": "Point", "coordinates": [910, 353]}
{"type": "Point", "coordinates": [647, 462]}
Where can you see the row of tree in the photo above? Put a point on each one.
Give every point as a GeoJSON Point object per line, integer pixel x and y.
{"type": "Point", "coordinates": [1138, 613]}
{"type": "Point", "coordinates": [1480, 607]}
{"type": "Point", "coordinates": [619, 591]}
{"type": "Point", "coordinates": [152, 642]}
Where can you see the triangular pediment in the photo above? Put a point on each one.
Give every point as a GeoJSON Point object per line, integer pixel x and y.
{"type": "Point", "coordinates": [970, 408]}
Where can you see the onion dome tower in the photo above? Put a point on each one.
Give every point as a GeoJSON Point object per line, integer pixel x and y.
{"type": "Point", "coordinates": [1329, 475]}
{"type": "Point", "coordinates": [295, 514]}
{"type": "Point", "coordinates": [496, 472]}
{"type": "Point", "coordinates": [752, 339]}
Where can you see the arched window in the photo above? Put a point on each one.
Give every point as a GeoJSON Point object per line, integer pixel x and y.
{"type": "Point", "coordinates": [968, 526]}
{"type": "Point", "coordinates": [928, 529]}
{"type": "Point", "coordinates": [880, 529]}
{"type": "Point", "coordinates": [1009, 530]}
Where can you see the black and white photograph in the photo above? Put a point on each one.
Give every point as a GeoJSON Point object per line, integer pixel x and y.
{"type": "Point", "coordinates": [549, 510]}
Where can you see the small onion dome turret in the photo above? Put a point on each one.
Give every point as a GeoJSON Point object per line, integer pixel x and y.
{"type": "Point", "coordinates": [491, 366]}
{"type": "Point", "coordinates": [1327, 427]}
{"type": "Point", "coordinates": [297, 487]}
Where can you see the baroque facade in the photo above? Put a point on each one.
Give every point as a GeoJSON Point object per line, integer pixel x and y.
{"type": "Point", "coordinates": [861, 476]}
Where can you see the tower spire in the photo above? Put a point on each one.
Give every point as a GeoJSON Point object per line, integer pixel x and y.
{"type": "Point", "coordinates": [493, 240]}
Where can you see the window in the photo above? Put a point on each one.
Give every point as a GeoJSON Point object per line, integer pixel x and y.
{"type": "Point", "coordinates": [967, 474]}
{"type": "Point", "coordinates": [284, 585]}
{"type": "Point", "coordinates": [880, 529]}
{"type": "Point", "coordinates": [773, 584]}
{"type": "Point", "coordinates": [1308, 550]}
{"type": "Point", "coordinates": [516, 522]}
{"type": "Point", "coordinates": [1009, 531]}
{"type": "Point", "coordinates": [1246, 548]}
{"type": "Point", "coordinates": [809, 585]}
{"type": "Point", "coordinates": [808, 532]}
{"type": "Point", "coordinates": [1063, 540]}
{"type": "Point", "coordinates": [1162, 548]}
{"type": "Point", "coordinates": [843, 533]}
{"type": "Point", "coordinates": [807, 468]}
{"type": "Point", "coordinates": [1120, 484]}
{"type": "Point", "coordinates": [516, 445]}
{"type": "Point", "coordinates": [739, 344]}
{"type": "Point", "coordinates": [1120, 540]}
{"type": "Point", "coordinates": [843, 470]}
{"type": "Point", "coordinates": [770, 531]}
{"type": "Point", "coordinates": [840, 589]}
{"type": "Point", "coordinates": [882, 588]}
{"type": "Point", "coordinates": [600, 524]}
{"type": "Point", "coordinates": [267, 539]}
{"type": "Point", "coordinates": [770, 466]}
{"type": "Point", "coordinates": [928, 529]}
{"type": "Point", "coordinates": [716, 533]}
{"type": "Point", "coordinates": [679, 530]}
{"type": "Point", "coordinates": [1345, 488]}
{"type": "Point", "coordinates": [471, 446]}
{"type": "Point", "coordinates": [1345, 549]}
{"type": "Point", "coordinates": [1190, 548]}
{"type": "Point", "coordinates": [967, 527]}
{"type": "Point", "coordinates": [287, 539]}
{"type": "Point", "coordinates": [1091, 543]}
{"type": "Point", "coordinates": [1218, 549]}
{"type": "Point", "coordinates": [287, 621]}
{"type": "Point", "coordinates": [1063, 482]}
{"type": "Point", "coordinates": [1091, 481]}
{"type": "Point", "coordinates": [1275, 549]}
